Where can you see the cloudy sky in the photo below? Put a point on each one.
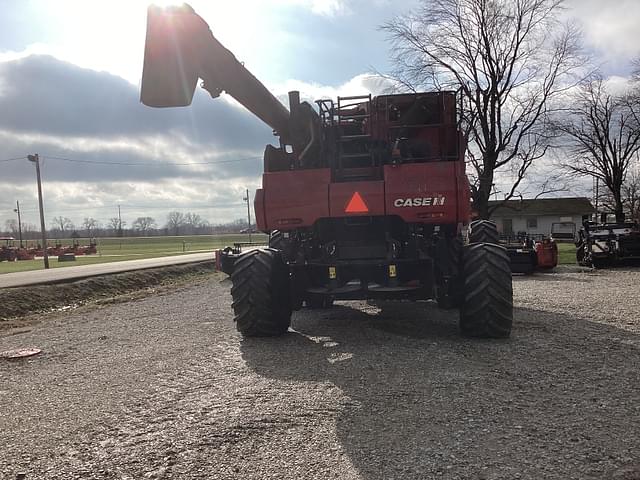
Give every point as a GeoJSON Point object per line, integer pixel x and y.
{"type": "Point", "coordinates": [69, 90]}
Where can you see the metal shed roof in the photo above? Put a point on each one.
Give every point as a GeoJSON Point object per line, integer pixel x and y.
{"type": "Point", "coordinates": [543, 206]}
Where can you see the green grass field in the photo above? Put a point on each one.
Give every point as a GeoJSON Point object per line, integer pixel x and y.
{"type": "Point", "coordinates": [130, 248]}
{"type": "Point", "coordinates": [566, 254]}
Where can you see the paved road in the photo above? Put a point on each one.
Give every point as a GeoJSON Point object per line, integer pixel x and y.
{"type": "Point", "coordinates": [163, 387]}
{"type": "Point", "coordinates": [56, 275]}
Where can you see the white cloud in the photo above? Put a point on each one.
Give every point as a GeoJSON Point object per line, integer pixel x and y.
{"type": "Point", "coordinates": [362, 84]}
{"type": "Point", "coordinates": [610, 28]}
{"type": "Point", "coordinates": [329, 7]}
{"type": "Point", "coordinates": [81, 114]}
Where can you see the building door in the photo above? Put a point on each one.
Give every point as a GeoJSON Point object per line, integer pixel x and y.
{"type": "Point", "coordinates": [507, 226]}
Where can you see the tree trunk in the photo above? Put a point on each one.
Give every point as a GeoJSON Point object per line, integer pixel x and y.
{"type": "Point", "coordinates": [619, 211]}
{"type": "Point", "coordinates": [618, 206]}
{"type": "Point", "coordinates": [482, 195]}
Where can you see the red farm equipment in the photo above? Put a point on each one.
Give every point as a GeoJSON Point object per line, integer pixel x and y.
{"type": "Point", "coordinates": [7, 251]}
{"type": "Point", "coordinates": [530, 253]}
{"type": "Point", "coordinates": [10, 253]}
{"type": "Point", "coordinates": [363, 197]}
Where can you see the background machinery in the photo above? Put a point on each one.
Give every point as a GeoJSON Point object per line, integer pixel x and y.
{"type": "Point", "coordinates": [529, 253]}
{"type": "Point", "coordinates": [363, 197]}
{"type": "Point", "coordinates": [607, 244]}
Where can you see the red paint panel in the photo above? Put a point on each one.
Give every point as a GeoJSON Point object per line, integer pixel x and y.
{"type": "Point", "coordinates": [258, 206]}
{"type": "Point", "coordinates": [371, 193]}
{"type": "Point", "coordinates": [294, 199]}
{"type": "Point", "coordinates": [423, 192]}
{"type": "Point", "coordinates": [464, 205]}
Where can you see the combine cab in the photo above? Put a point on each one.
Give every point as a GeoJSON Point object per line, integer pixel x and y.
{"type": "Point", "coordinates": [607, 244]}
{"type": "Point", "coordinates": [363, 197]}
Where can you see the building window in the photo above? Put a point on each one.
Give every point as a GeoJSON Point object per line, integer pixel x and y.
{"type": "Point", "coordinates": [532, 222]}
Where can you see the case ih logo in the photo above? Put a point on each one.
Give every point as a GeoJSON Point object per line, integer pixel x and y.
{"type": "Point", "coordinates": [420, 202]}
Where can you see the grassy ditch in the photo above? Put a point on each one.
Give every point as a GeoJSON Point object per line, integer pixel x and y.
{"type": "Point", "coordinates": [21, 301]}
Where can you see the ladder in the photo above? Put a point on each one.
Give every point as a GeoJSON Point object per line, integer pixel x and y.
{"type": "Point", "coordinates": [354, 147]}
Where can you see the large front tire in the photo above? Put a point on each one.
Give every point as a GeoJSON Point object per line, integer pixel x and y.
{"type": "Point", "coordinates": [261, 294]}
{"type": "Point", "coordinates": [483, 231]}
{"type": "Point", "coordinates": [487, 305]}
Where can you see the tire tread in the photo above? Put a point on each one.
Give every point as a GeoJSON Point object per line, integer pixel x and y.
{"type": "Point", "coordinates": [487, 307]}
{"type": "Point", "coordinates": [260, 292]}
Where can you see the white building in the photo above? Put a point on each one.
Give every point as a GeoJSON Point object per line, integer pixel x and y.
{"type": "Point", "coordinates": [560, 216]}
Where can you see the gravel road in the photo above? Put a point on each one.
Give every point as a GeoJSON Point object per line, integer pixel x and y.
{"type": "Point", "coordinates": [164, 388]}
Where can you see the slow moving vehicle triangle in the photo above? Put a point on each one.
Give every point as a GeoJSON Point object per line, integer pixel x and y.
{"type": "Point", "coordinates": [356, 205]}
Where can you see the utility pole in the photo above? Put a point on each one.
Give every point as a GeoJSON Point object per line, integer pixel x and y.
{"type": "Point", "coordinates": [119, 227]}
{"type": "Point", "coordinates": [17, 210]}
{"type": "Point", "coordinates": [36, 159]}
{"type": "Point", "coordinates": [119, 222]}
{"type": "Point", "coordinates": [246, 199]}
{"type": "Point", "coordinates": [597, 219]}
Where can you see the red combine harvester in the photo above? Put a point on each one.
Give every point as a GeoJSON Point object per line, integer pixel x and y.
{"type": "Point", "coordinates": [363, 198]}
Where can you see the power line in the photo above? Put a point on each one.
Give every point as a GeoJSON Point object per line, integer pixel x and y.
{"type": "Point", "coordinates": [13, 159]}
{"type": "Point", "coordinates": [138, 207]}
{"type": "Point", "coordinates": [194, 207]}
{"type": "Point", "coordinates": [155, 164]}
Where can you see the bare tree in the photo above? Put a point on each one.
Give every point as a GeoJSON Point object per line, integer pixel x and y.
{"type": "Point", "coordinates": [143, 224]}
{"type": "Point", "coordinates": [90, 224]}
{"type": "Point", "coordinates": [631, 194]}
{"type": "Point", "coordinates": [508, 58]}
{"type": "Point", "coordinates": [30, 231]}
{"type": "Point", "coordinates": [602, 137]}
{"type": "Point", "coordinates": [175, 220]}
{"type": "Point", "coordinates": [62, 224]}
{"type": "Point", "coordinates": [116, 225]}
{"type": "Point", "coordinates": [11, 225]}
{"type": "Point", "coordinates": [193, 220]}
{"type": "Point", "coordinates": [635, 65]}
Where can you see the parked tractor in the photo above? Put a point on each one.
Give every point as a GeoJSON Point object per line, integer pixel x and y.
{"type": "Point", "coordinates": [363, 197]}
{"type": "Point", "coordinates": [607, 244]}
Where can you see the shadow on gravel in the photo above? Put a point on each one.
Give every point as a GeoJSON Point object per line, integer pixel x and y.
{"type": "Point", "coordinates": [558, 400]}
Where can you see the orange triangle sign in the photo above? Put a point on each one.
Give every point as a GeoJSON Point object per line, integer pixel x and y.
{"type": "Point", "coordinates": [356, 205]}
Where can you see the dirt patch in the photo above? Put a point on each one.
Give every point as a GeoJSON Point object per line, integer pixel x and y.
{"type": "Point", "coordinates": [17, 302]}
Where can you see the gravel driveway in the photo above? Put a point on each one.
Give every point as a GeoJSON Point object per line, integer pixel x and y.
{"type": "Point", "coordinates": [163, 387]}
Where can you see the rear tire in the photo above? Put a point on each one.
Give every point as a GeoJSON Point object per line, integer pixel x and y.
{"type": "Point", "coordinates": [483, 231]}
{"type": "Point", "coordinates": [277, 240]}
{"type": "Point", "coordinates": [487, 305]}
{"type": "Point", "coordinates": [261, 294]}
